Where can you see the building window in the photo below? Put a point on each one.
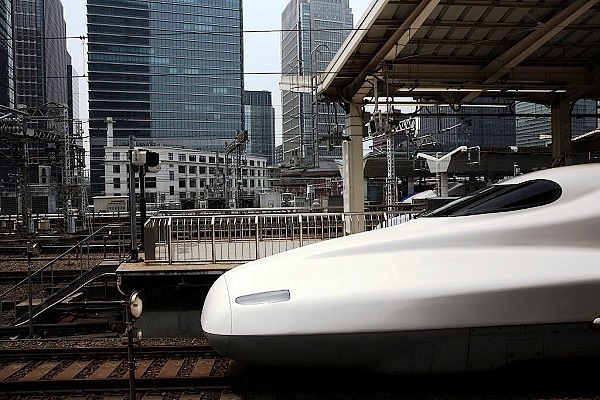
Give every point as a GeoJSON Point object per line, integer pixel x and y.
{"type": "Point", "coordinates": [181, 182]}
{"type": "Point", "coordinates": [171, 190]}
{"type": "Point", "coordinates": [116, 169]}
{"type": "Point", "coordinates": [192, 158]}
{"type": "Point", "coordinates": [192, 182]}
{"type": "Point", "coordinates": [117, 183]}
{"type": "Point", "coordinates": [202, 158]}
{"type": "Point", "coordinates": [170, 156]}
{"type": "Point", "coordinates": [116, 156]}
{"type": "Point", "coordinates": [151, 182]}
{"type": "Point", "coordinates": [182, 169]}
{"type": "Point", "coordinates": [211, 160]}
{"type": "Point", "coordinates": [43, 176]}
{"type": "Point", "coordinates": [181, 157]}
{"type": "Point", "coordinates": [171, 175]}
{"type": "Point", "coordinates": [193, 169]}
{"type": "Point", "coordinates": [202, 170]}
{"type": "Point", "coordinates": [252, 163]}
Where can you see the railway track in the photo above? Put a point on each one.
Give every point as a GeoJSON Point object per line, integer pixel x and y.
{"type": "Point", "coordinates": [105, 369]}
{"type": "Point", "coordinates": [59, 276]}
{"type": "Point", "coordinates": [195, 372]}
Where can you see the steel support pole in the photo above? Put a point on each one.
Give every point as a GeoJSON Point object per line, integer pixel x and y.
{"type": "Point", "coordinates": [142, 204]}
{"type": "Point", "coordinates": [130, 359]}
{"type": "Point", "coordinates": [133, 251]}
{"type": "Point", "coordinates": [29, 288]}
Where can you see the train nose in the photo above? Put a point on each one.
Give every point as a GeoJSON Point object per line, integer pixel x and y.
{"type": "Point", "coordinates": [216, 316]}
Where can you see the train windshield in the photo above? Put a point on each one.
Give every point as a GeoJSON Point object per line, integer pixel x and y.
{"type": "Point", "coordinates": [501, 198]}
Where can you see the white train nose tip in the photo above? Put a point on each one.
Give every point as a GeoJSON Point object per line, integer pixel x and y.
{"type": "Point", "coordinates": [216, 316]}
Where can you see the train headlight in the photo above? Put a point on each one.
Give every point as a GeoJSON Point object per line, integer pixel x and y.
{"type": "Point", "coordinates": [275, 296]}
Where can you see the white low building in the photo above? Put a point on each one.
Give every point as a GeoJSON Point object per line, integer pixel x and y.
{"type": "Point", "coordinates": [189, 178]}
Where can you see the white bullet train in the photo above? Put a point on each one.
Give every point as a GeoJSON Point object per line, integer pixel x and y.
{"type": "Point", "coordinates": [511, 272]}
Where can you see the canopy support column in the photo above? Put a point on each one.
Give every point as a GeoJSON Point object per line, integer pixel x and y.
{"type": "Point", "coordinates": [353, 174]}
{"type": "Point", "coordinates": [561, 133]}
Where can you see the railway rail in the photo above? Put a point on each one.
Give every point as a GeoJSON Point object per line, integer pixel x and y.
{"type": "Point", "coordinates": [189, 369]}
{"type": "Point", "coordinates": [104, 369]}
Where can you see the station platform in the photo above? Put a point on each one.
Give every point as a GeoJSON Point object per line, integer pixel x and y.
{"type": "Point", "coordinates": [136, 275]}
{"type": "Point", "coordinates": [173, 294]}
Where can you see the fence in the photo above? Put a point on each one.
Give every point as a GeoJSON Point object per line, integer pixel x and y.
{"type": "Point", "coordinates": [240, 238]}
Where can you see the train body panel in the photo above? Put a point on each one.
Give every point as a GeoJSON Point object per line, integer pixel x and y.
{"type": "Point", "coordinates": [435, 277]}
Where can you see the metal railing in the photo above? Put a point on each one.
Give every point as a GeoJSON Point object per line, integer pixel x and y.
{"type": "Point", "coordinates": [40, 282]}
{"type": "Point", "coordinates": [241, 238]}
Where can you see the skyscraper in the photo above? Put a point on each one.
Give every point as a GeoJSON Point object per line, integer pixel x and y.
{"type": "Point", "coordinates": [535, 130]}
{"type": "Point", "coordinates": [7, 88]}
{"type": "Point", "coordinates": [485, 123]}
{"type": "Point", "coordinates": [51, 156]}
{"type": "Point", "coordinates": [41, 55]}
{"type": "Point", "coordinates": [260, 124]}
{"type": "Point", "coordinates": [168, 72]}
{"type": "Point", "coordinates": [312, 32]}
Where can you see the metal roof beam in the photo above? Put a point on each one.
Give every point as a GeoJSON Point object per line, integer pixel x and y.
{"type": "Point", "coordinates": [545, 32]}
{"type": "Point", "coordinates": [395, 43]}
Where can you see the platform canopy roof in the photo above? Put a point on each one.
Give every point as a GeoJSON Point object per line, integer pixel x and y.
{"type": "Point", "coordinates": [455, 51]}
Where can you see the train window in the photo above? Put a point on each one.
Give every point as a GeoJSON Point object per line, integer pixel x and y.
{"type": "Point", "coordinates": [500, 198]}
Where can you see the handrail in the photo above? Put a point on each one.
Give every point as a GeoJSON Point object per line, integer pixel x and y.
{"type": "Point", "coordinates": [57, 258]}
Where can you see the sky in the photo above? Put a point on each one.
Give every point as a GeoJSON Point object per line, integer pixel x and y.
{"type": "Point", "coordinates": [261, 49]}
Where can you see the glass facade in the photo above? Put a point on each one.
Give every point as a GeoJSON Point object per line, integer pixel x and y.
{"type": "Point", "coordinates": [536, 130]}
{"type": "Point", "coordinates": [169, 73]}
{"type": "Point", "coordinates": [492, 124]}
{"type": "Point", "coordinates": [7, 89]}
{"type": "Point", "coordinates": [40, 52]}
{"type": "Point", "coordinates": [260, 124]}
{"type": "Point", "coordinates": [312, 32]}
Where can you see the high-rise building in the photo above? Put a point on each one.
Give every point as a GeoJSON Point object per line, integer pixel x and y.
{"type": "Point", "coordinates": [41, 90]}
{"type": "Point", "coordinates": [169, 73]}
{"type": "Point", "coordinates": [73, 92]}
{"type": "Point", "coordinates": [484, 123]}
{"type": "Point", "coordinates": [41, 55]}
{"type": "Point", "coordinates": [312, 33]}
{"type": "Point", "coordinates": [260, 123]}
{"type": "Point", "coordinates": [536, 130]}
{"type": "Point", "coordinates": [7, 88]}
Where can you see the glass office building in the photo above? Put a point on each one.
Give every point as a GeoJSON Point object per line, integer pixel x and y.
{"type": "Point", "coordinates": [41, 55]}
{"type": "Point", "coordinates": [484, 123]}
{"type": "Point", "coordinates": [260, 124]}
{"type": "Point", "coordinates": [7, 88]}
{"type": "Point", "coordinates": [169, 73]}
{"type": "Point", "coordinates": [534, 123]}
{"type": "Point", "coordinates": [312, 32]}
